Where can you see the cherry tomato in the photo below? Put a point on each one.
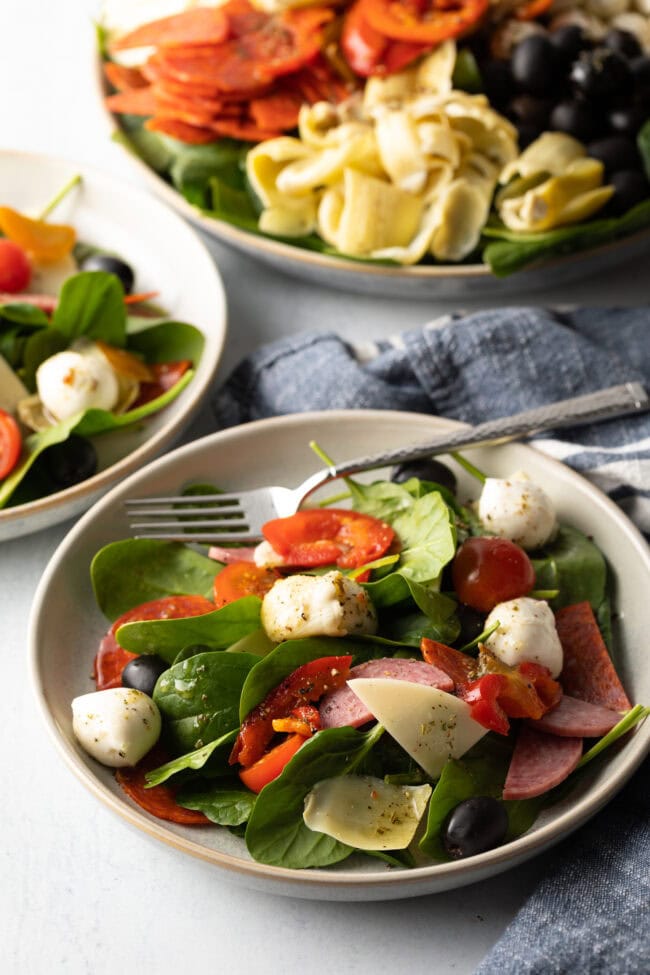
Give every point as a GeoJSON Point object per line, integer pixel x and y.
{"type": "Point", "coordinates": [15, 269]}
{"type": "Point", "coordinates": [330, 536]}
{"type": "Point", "coordinates": [487, 571]}
{"type": "Point", "coordinates": [242, 579]}
{"type": "Point", "coordinates": [10, 443]}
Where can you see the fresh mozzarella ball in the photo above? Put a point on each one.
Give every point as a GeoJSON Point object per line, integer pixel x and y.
{"type": "Point", "coordinates": [606, 9]}
{"type": "Point", "coordinates": [517, 509]}
{"type": "Point", "coordinates": [72, 381]}
{"type": "Point", "coordinates": [526, 633]}
{"type": "Point", "coordinates": [117, 726]}
{"type": "Point", "coordinates": [328, 605]}
{"type": "Point", "coordinates": [266, 557]}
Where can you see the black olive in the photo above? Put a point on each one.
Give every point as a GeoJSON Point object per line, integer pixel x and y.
{"type": "Point", "coordinates": [531, 110]}
{"type": "Point", "coordinates": [474, 826]}
{"type": "Point", "coordinates": [640, 68]}
{"type": "Point", "coordinates": [626, 119]}
{"type": "Point", "coordinates": [472, 623]}
{"type": "Point", "coordinates": [425, 470]}
{"type": "Point", "coordinates": [601, 73]}
{"type": "Point", "coordinates": [568, 41]}
{"type": "Point", "coordinates": [616, 153]}
{"type": "Point", "coordinates": [576, 118]}
{"type": "Point", "coordinates": [143, 672]}
{"type": "Point", "coordinates": [630, 188]}
{"type": "Point", "coordinates": [623, 42]}
{"type": "Point", "coordinates": [534, 64]}
{"type": "Point", "coordinates": [70, 462]}
{"type": "Point", "coordinates": [497, 81]}
{"type": "Point", "coordinates": [114, 265]}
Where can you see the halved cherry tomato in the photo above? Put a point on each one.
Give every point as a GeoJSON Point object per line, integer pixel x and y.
{"type": "Point", "coordinates": [111, 658]}
{"type": "Point", "coordinates": [423, 21]}
{"type": "Point", "coordinates": [269, 766]}
{"type": "Point", "coordinates": [242, 579]}
{"type": "Point", "coordinates": [10, 443]}
{"type": "Point", "coordinates": [159, 800]}
{"type": "Point", "coordinates": [330, 536]}
{"type": "Point", "coordinates": [306, 684]}
{"type": "Point", "coordinates": [15, 269]}
{"type": "Point", "coordinates": [487, 571]}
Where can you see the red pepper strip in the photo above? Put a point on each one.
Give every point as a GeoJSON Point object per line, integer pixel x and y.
{"type": "Point", "coordinates": [310, 714]}
{"type": "Point", "coordinates": [165, 376]}
{"type": "Point", "coordinates": [368, 52]}
{"type": "Point", "coordinates": [422, 23]}
{"type": "Point", "coordinates": [519, 699]}
{"type": "Point", "coordinates": [459, 666]}
{"type": "Point", "coordinates": [269, 766]}
{"type": "Point", "coordinates": [483, 697]}
{"type": "Point", "coordinates": [331, 536]}
{"type": "Point", "coordinates": [307, 683]}
{"type": "Point", "coordinates": [136, 299]}
{"type": "Point", "coordinates": [303, 721]}
{"type": "Point", "coordinates": [548, 690]}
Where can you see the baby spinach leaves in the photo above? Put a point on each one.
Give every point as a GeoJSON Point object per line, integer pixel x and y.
{"type": "Point", "coordinates": [276, 832]}
{"type": "Point", "coordinates": [137, 570]}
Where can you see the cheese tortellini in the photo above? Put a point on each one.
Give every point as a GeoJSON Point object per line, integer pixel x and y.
{"type": "Point", "coordinates": [407, 169]}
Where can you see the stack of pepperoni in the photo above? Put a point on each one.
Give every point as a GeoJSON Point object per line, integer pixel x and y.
{"type": "Point", "coordinates": [231, 71]}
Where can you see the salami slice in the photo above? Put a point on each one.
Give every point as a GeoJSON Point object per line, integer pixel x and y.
{"type": "Point", "coordinates": [572, 718]}
{"type": "Point", "coordinates": [588, 672]}
{"type": "Point", "coordinates": [540, 762]}
{"type": "Point", "coordinates": [342, 707]}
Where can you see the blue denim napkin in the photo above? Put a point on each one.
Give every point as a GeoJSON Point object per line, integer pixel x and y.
{"type": "Point", "coordinates": [589, 916]}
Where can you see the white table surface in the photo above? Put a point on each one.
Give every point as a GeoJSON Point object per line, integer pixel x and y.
{"type": "Point", "coordinates": [79, 891]}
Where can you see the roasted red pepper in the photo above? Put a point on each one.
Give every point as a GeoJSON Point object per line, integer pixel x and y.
{"type": "Point", "coordinates": [331, 536]}
{"type": "Point", "coordinates": [306, 684]}
{"type": "Point", "coordinates": [483, 695]}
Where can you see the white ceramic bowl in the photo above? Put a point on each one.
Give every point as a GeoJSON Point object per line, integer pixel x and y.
{"type": "Point", "coordinates": [66, 627]}
{"type": "Point", "coordinates": [168, 257]}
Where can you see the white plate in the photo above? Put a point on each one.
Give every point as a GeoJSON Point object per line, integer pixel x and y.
{"type": "Point", "coordinates": [169, 258]}
{"type": "Point", "coordinates": [445, 281]}
{"type": "Point", "coordinates": [66, 627]}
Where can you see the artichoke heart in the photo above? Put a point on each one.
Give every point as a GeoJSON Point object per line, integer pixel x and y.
{"type": "Point", "coordinates": [551, 153]}
{"type": "Point", "coordinates": [400, 151]}
{"type": "Point", "coordinates": [560, 200]}
{"type": "Point", "coordinates": [267, 160]}
{"type": "Point", "coordinates": [374, 215]}
{"type": "Point", "coordinates": [462, 212]}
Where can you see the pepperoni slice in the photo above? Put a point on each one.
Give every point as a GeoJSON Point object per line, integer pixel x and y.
{"type": "Point", "coordinates": [199, 25]}
{"type": "Point", "coordinates": [159, 800]}
{"type": "Point", "coordinates": [588, 671]}
{"type": "Point", "coordinates": [192, 134]}
{"type": "Point", "coordinates": [111, 658]}
{"type": "Point", "coordinates": [122, 77]}
{"type": "Point", "coordinates": [539, 763]}
{"type": "Point", "coordinates": [134, 101]}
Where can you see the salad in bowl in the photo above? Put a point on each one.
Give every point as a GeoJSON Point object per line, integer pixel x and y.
{"type": "Point", "coordinates": [401, 674]}
{"type": "Point", "coordinates": [397, 134]}
{"type": "Point", "coordinates": [93, 368]}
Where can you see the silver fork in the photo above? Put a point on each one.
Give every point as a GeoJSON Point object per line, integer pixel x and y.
{"type": "Point", "coordinates": [239, 517]}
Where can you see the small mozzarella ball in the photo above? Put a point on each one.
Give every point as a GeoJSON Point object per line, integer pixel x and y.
{"type": "Point", "coordinates": [526, 632]}
{"type": "Point", "coordinates": [328, 605]}
{"type": "Point", "coordinates": [266, 557]}
{"type": "Point", "coordinates": [517, 509]}
{"type": "Point", "coordinates": [71, 381]}
{"type": "Point", "coordinates": [117, 726]}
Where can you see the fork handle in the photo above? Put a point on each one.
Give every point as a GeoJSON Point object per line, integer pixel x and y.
{"type": "Point", "coordinates": [606, 403]}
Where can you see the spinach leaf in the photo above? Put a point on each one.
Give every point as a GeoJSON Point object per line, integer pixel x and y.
{"type": "Point", "coordinates": [225, 803]}
{"type": "Point", "coordinates": [643, 143]}
{"type": "Point", "coordinates": [197, 759]}
{"type": "Point", "coordinates": [199, 698]}
{"type": "Point", "coordinates": [428, 538]}
{"type": "Point", "coordinates": [137, 570]}
{"type": "Point", "coordinates": [91, 304]}
{"type": "Point", "coordinates": [575, 566]}
{"type": "Point", "coordinates": [218, 630]}
{"type": "Point", "coordinates": [381, 499]}
{"type": "Point", "coordinates": [20, 313]}
{"type": "Point", "coordinates": [276, 832]}
{"type": "Point", "coordinates": [168, 341]}
{"type": "Point", "coordinates": [480, 772]}
{"type": "Point", "coordinates": [287, 657]}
